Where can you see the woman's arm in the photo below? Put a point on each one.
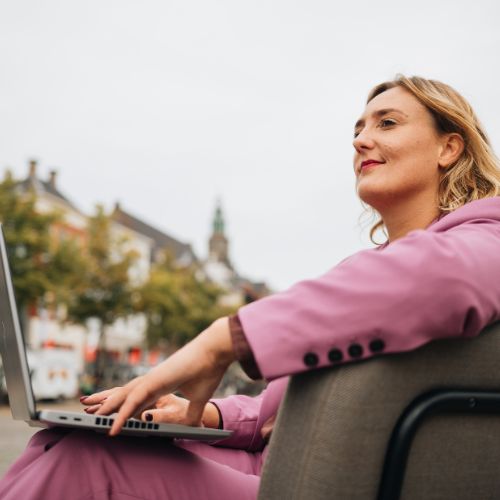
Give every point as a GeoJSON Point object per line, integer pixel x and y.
{"type": "Point", "coordinates": [425, 286]}
{"type": "Point", "coordinates": [195, 370]}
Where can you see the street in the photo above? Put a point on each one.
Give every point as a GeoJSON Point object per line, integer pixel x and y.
{"type": "Point", "coordinates": [15, 434]}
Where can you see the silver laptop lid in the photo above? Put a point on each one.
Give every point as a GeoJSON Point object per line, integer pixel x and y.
{"type": "Point", "coordinates": [15, 364]}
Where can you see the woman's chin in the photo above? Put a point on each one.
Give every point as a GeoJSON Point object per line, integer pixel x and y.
{"type": "Point", "coordinates": [371, 195]}
{"type": "Point", "coordinates": [381, 200]}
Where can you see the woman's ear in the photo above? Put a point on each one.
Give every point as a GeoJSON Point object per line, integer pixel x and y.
{"type": "Point", "coordinates": [452, 147]}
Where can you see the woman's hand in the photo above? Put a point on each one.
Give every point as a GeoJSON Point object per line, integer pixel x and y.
{"type": "Point", "coordinates": [172, 409]}
{"type": "Point", "coordinates": [96, 400]}
{"type": "Point", "coordinates": [195, 371]}
{"type": "Point", "coordinates": [168, 409]}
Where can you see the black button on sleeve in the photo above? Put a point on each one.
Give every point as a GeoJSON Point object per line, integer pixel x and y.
{"type": "Point", "coordinates": [377, 345]}
{"type": "Point", "coordinates": [311, 359]}
{"type": "Point", "coordinates": [355, 351]}
{"type": "Point", "coordinates": [335, 355]}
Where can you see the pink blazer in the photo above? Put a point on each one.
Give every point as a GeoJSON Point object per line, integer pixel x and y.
{"type": "Point", "coordinates": [438, 282]}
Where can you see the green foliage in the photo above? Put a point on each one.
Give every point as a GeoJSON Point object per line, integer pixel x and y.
{"type": "Point", "coordinates": [67, 269]}
{"type": "Point", "coordinates": [177, 305]}
{"type": "Point", "coordinates": [36, 262]}
{"type": "Point", "coordinates": [104, 292]}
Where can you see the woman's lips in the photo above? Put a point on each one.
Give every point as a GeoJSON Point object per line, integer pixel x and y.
{"type": "Point", "coordinates": [370, 163]}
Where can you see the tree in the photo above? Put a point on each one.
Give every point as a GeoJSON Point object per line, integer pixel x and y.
{"type": "Point", "coordinates": [177, 305]}
{"type": "Point", "coordinates": [38, 263]}
{"type": "Point", "coordinates": [105, 291]}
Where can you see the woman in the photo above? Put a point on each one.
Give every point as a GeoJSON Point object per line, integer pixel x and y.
{"type": "Point", "coordinates": [424, 164]}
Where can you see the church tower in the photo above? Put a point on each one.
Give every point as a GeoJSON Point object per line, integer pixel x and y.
{"type": "Point", "coordinates": [218, 245]}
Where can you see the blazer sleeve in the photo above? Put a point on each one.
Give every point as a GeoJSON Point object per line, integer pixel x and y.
{"type": "Point", "coordinates": [425, 286]}
{"type": "Point", "coordinates": [240, 414]}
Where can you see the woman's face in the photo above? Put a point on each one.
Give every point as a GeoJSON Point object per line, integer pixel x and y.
{"type": "Point", "coordinates": [397, 151]}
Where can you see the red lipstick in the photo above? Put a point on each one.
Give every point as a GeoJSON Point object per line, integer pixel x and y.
{"type": "Point", "coordinates": [367, 163]}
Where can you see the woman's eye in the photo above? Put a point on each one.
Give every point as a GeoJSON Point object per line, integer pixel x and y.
{"type": "Point", "coordinates": [387, 122]}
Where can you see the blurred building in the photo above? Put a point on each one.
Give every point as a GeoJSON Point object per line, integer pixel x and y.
{"type": "Point", "coordinates": [48, 198]}
{"type": "Point", "coordinates": [158, 241]}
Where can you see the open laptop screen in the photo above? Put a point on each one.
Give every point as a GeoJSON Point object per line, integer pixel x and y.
{"type": "Point", "coordinates": [15, 364]}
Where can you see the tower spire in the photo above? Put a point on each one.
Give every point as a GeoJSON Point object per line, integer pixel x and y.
{"type": "Point", "coordinates": [218, 245]}
{"type": "Point", "coordinates": [218, 222]}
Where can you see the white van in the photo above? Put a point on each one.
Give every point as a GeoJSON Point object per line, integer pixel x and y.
{"type": "Point", "coordinates": [53, 373]}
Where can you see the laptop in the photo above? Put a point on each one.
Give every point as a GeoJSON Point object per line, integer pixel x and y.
{"type": "Point", "coordinates": [22, 401]}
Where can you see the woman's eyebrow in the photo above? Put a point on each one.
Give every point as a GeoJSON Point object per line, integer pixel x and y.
{"type": "Point", "coordinates": [378, 113]}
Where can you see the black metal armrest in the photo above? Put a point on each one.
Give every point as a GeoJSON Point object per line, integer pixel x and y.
{"type": "Point", "coordinates": [438, 401]}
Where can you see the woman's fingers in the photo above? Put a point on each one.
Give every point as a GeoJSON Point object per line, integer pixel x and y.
{"type": "Point", "coordinates": [163, 416]}
{"type": "Point", "coordinates": [92, 409]}
{"type": "Point", "coordinates": [138, 399]}
{"type": "Point", "coordinates": [169, 400]}
{"type": "Point", "coordinates": [117, 396]}
{"type": "Point", "coordinates": [112, 402]}
{"type": "Point", "coordinates": [169, 409]}
{"type": "Point", "coordinates": [97, 397]}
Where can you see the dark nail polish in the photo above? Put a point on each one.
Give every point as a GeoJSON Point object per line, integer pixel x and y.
{"type": "Point", "coordinates": [148, 417]}
{"type": "Point", "coordinates": [83, 398]}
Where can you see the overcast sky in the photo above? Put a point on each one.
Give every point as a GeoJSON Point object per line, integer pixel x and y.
{"type": "Point", "coordinates": [166, 106]}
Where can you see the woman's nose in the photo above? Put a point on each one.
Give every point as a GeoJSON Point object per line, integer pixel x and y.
{"type": "Point", "coordinates": [363, 141]}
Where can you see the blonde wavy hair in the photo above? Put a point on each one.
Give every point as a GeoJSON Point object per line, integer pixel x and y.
{"type": "Point", "coordinates": [476, 174]}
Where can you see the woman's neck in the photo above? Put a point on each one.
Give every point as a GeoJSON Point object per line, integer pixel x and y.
{"type": "Point", "coordinates": [402, 218]}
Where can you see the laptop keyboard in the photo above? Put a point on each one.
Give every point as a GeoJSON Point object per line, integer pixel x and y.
{"type": "Point", "coordinates": [129, 424]}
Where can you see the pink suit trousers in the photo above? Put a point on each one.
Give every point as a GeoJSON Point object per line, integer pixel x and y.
{"type": "Point", "coordinates": [84, 465]}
